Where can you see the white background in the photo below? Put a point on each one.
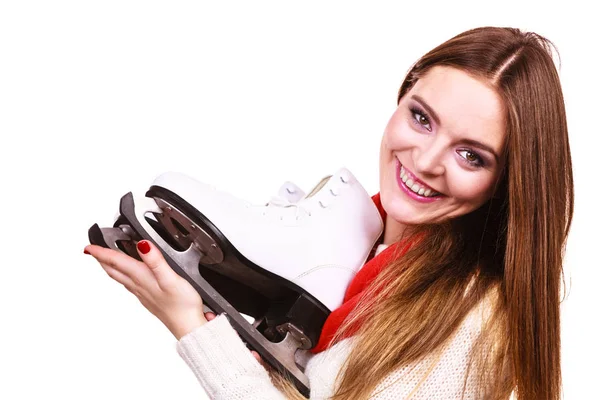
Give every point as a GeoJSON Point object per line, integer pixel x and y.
{"type": "Point", "coordinates": [98, 98]}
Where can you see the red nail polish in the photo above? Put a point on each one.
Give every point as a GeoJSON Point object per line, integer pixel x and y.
{"type": "Point", "coordinates": [86, 252]}
{"type": "Point", "coordinates": [143, 246]}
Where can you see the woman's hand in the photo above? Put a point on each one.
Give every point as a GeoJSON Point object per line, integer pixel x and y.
{"type": "Point", "coordinates": [160, 289]}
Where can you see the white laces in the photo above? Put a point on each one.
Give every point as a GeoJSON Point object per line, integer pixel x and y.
{"type": "Point", "coordinates": [284, 203]}
{"type": "Point", "coordinates": [281, 203]}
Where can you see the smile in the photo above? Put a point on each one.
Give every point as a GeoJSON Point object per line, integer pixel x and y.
{"type": "Point", "coordinates": [414, 187]}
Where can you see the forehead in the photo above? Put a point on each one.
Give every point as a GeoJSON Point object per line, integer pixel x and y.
{"type": "Point", "coordinates": [466, 106]}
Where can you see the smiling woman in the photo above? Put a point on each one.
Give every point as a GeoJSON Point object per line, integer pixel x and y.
{"type": "Point", "coordinates": [475, 167]}
{"type": "Point", "coordinates": [460, 298]}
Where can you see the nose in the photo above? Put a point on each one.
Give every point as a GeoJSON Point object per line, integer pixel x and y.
{"type": "Point", "coordinates": [428, 159]}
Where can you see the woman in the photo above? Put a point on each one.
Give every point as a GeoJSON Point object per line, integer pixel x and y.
{"type": "Point", "coordinates": [462, 298]}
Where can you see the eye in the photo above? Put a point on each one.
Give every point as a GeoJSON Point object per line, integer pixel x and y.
{"type": "Point", "coordinates": [471, 157]}
{"type": "Point", "coordinates": [420, 118]}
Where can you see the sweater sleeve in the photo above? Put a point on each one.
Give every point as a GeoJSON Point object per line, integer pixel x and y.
{"type": "Point", "coordinates": [223, 364]}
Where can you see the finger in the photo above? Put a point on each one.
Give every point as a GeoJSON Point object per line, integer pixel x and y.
{"type": "Point", "coordinates": [135, 270]}
{"type": "Point", "coordinates": [154, 259]}
{"type": "Point", "coordinates": [119, 277]}
{"type": "Point", "coordinates": [258, 358]}
{"type": "Point", "coordinates": [105, 255]}
{"type": "Point", "coordinates": [210, 316]}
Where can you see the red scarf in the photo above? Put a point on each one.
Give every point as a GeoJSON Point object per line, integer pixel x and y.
{"type": "Point", "coordinates": [360, 282]}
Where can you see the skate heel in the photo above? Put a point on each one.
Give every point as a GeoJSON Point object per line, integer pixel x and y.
{"type": "Point", "coordinates": [302, 317]}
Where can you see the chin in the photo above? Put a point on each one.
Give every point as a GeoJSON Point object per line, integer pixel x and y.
{"type": "Point", "coordinates": [407, 218]}
{"type": "Point", "coordinates": [400, 210]}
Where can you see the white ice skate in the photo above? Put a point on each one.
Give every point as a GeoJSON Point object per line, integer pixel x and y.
{"type": "Point", "coordinates": [286, 263]}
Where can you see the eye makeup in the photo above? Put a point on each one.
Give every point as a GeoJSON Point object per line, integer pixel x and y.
{"type": "Point", "coordinates": [420, 117]}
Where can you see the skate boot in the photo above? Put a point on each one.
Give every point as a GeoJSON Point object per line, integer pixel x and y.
{"type": "Point", "coordinates": [287, 194]}
{"type": "Point", "coordinates": [286, 263]}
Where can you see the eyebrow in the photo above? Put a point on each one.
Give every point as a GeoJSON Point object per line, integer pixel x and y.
{"type": "Point", "coordinates": [427, 108]}
{"type": "Point", "coordinates": [435, 117]}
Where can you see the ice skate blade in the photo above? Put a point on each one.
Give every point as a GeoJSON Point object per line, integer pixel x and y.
{"type": "Point", "coordinates": [188, 233]}
{"type": "Point", "coordinates": [291, 330]}
{"type": "Point", "coordinates": [279, 355]}
{"type": "Point", "coordinates": [120, 237]}
{"type": "Point", "coordinates": [107, 237]}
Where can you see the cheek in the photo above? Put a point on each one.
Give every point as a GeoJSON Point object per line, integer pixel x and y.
{"type": "Point", "coordinates": [398, 135]}
{"type": "Point", "coordinates": [471, 187]}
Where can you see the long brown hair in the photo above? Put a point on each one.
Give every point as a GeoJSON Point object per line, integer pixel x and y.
{"type": "Point", "coordinates": [511, 247]}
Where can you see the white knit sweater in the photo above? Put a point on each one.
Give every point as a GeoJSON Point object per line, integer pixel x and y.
{"type": "Point", "coordinates": [226, 369]}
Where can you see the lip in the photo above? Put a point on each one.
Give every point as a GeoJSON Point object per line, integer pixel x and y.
{"type": "Point", "coordinates": [410, 193]}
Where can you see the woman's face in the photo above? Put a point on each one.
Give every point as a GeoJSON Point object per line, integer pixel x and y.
{"type": "Point", "coordinates": [441, 152]}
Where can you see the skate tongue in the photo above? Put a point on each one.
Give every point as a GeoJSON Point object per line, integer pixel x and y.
{"type": "Point", "coordinates": [290, 192]}
{"type": "Point", "coordinates": [319, 186]}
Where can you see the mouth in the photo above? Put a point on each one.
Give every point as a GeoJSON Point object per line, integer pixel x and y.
{"type": "Point", "coordinates": [414, 187]}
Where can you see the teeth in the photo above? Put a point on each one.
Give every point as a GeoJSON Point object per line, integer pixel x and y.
{"type": "Point", "coordinates": [414, 186]}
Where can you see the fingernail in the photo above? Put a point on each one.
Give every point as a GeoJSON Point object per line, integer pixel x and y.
{"type": "Point", "coordinates": [143, 246]}
{"type": "Point", "coordinates": [86, 252]}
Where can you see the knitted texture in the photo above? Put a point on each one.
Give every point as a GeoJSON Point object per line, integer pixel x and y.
{"type": "Point", "coordinates": [227, 370]}
{"type": "Point", "coordinates": [223, 364]}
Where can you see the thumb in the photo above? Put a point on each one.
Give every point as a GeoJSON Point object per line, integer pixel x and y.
{"type": "Point", "coordinates": [153, 258]}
